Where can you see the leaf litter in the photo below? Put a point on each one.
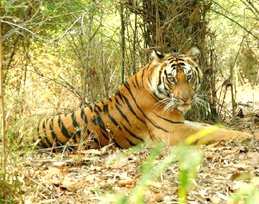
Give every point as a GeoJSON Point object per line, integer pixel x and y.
{"type": "Point", "coordinates": [90, 176]}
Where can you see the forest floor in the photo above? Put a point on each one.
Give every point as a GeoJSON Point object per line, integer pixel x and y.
{"type": "Point", "coordinates": [92, 176]}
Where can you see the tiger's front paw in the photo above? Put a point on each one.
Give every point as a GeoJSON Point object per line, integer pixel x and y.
{"type": "Point", "coordinates": [243, 137]}
{"type": "Point", "coordinates": [225, 135]}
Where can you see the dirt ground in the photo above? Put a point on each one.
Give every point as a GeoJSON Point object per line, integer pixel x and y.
{"type": "Point", "coordinates": [92, 176]}
{"type": "Point", "coordinates": [88, 178]}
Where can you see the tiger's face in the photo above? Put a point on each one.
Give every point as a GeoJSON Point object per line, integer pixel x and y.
{"type": "Point", "coordinates": [177, 79]}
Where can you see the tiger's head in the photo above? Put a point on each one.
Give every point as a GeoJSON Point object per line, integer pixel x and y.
{"type": "Point", "coordinates": [176, 79]}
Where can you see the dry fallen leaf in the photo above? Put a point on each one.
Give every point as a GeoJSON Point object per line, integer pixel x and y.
{"type": "Point", "coordinates": [59, 163]}
{"type": "Point", "coordinates": [118, 164]}
{"type": "Point", "coordinates": [239, 176]}
{"type": "Point", "coordinates": [53, 182]}
{"type": "Point", "coordinates": [126, 182]}
{"type": "Point", "coordinates": [222, 196]}
{"type": "Point", "coordinates": [69, 185]}
{"type": "Point", "coordinates": [53, 170]}
{"type": "Point", "coordinates": [90, 177]}
{"type": "Point", "coordinates": [154, 184]}
{"type": "Point", "coordinates": [90, 151]}
{"type": "Point", "coordinates": [105, 186]}
{"type": "Point", "coordinates": [215, 200]}
{"type": "Point", "coordinates": [256, 135]}
{"type": "Point", "coordinates": [159, 197]}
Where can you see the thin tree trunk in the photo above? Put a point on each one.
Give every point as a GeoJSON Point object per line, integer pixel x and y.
{"type": "Point", "coordinates": [89, 38]}
{"type": "Point", "coordinates": [157, 25]}
{"type": "Point", "coordinates": [231, 72]}
{"type": "Point", "coordinates": [104, 77]}
{"type": "Point", "coordinates": [122, 43]}
{"type": "Point", "coordinates": [135, 41]}
{"type": "Point", "coordinates": [213, 85]}
{"type": "Point", "coordinates": [2, 98]}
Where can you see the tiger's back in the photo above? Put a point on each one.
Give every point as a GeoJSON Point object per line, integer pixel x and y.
{"type": "Point", "coordinates": [113, 120]}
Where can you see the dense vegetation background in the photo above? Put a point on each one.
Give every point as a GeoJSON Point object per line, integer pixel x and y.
{"type": "Point", "coordinates": [58, 55]}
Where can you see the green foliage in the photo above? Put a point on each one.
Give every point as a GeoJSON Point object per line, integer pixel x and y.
{"type": "Point", "coordinates": [189, 159]}
{"type": "Point", "coordinates": [249, 195]}
{"type": "Point", "coordinates": [45, 46]}
{"type": "Point", "coordinates": [248, 63]}
{"type": "Point", "coordinates": [44, 52]}
{"type": "Point", "coordinates": [230, 21]}
{"type": "Point", "coordinates": [149, 172]}
{"type": "Point", "coordinates": [10, 191]}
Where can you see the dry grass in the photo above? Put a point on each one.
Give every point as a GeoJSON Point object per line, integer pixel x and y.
{"type": "Point", "coordinates": [94, 175]}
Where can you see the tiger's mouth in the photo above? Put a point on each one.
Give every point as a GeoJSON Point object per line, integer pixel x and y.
{"type": "Point", "coordinates": [171, 103]}
{"type": "Point", "coordinates": [184, 107]}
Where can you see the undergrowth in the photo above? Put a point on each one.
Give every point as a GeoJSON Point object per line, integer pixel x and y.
{"type": "Point", "coordinates": [188, 158]}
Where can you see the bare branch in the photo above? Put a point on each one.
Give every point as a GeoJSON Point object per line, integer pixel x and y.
{"type": "Point", "coordinates": [253, 6]}
{"type": "Point", "coordinates": [63, 83]}
{"type": "Point", "coordinates": [249, 7]}
{"type": "Point", "coordinates": [26, 29]}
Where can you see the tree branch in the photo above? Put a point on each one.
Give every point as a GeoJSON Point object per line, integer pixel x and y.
{"type": "Point", "coordinates": [253, 6]}
{"type": "Point", "coordinates": [26, 29]}
{"type": "Point", "coordinates": [248, 31]}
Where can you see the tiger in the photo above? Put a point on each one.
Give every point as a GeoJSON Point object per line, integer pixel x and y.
{"type": "Point", "coordinates": [149, 106]}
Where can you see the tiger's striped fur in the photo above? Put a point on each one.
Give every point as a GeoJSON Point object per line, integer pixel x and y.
{"type": "Point", "coordinates": [150, 105]}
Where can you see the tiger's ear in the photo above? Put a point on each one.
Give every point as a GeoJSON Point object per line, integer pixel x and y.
{"type": "Point", "coordinates": [158, 56]}
{"type": "Point", "coordinates": [193, 53]}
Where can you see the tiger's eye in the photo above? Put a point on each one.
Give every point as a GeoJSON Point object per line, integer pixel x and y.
{"type": "Point", "coordinates": [189, 77]}
{"type": "Point", "coordinates": [171, 79]}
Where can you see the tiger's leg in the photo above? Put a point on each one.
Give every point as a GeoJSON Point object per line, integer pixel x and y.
{"type": "Point", "coordinates": [218, 134]}
{"type": "Point", "coordinates": [206, 134]}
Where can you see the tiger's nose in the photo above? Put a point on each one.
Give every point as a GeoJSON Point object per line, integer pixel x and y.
{"type": "Point", "coordinates": [185, 99]}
